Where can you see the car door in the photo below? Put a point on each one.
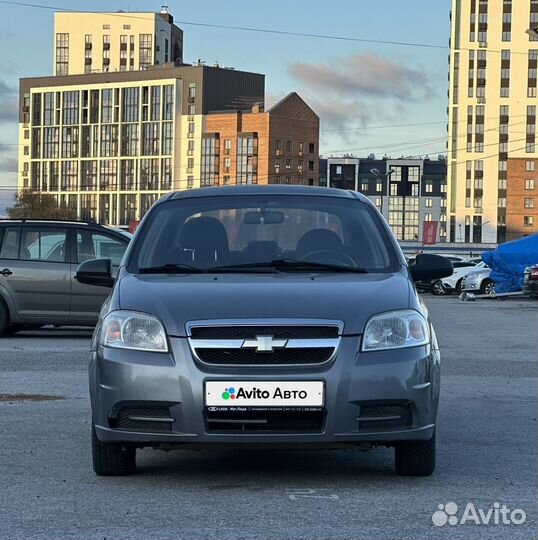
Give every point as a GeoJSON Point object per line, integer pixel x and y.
{"type": "Point", "coordinates": [35, 272]}
{"type": "Point", "coordinates": [86, 300]}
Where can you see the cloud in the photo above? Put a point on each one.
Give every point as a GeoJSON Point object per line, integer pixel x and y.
{"type": "Point", "coordinates": [363, 75]}
{"type": "Point", "coordinates": [8, 103]}
{"type": "Point", "coordinates": [357, 91]}
{"type": "Point", "coordinates": [9, 165]}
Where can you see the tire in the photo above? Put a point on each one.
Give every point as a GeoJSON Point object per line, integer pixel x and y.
{"type": "Point", "coordinates": [4, 318]}
{"type": "Point", "coordinates": [112, 459]}
{"type": "Point", "coordinates": [415, 458]}
{"type": "Point", "coordinates": [487, 287]}
{"type": "Point", "coordinates": [438, 288]}
{"type": "Point", "coordinates": [12, 329]}
{"type": "Point", "coordinates": [459, 286]}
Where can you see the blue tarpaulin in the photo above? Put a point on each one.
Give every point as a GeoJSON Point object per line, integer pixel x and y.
{"type": "Point", "coordinates": [508, 262]}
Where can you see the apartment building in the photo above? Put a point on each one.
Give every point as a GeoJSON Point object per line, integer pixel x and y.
{"type": "Point", "coordinates": [109, 144]}
{"type": "Point", "coordinates": [521, 198]}
{"type": "Point", "coordinates": [104, 42]}
{"type": "Point", "coordinates": [408, 192]}
{"type": "Point", "coordinates": [492, 116]}
{"type": "Point", "coordinates": [278, 146]}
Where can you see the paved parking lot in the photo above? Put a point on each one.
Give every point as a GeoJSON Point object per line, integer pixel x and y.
{"type": "Point", "coordinates": [487, 453]}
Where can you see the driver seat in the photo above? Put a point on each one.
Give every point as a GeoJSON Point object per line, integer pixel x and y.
{"type": "Point", "coordinates": [318, 240]}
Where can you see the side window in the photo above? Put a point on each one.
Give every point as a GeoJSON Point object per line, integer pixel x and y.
{"type": "Point", "coordinates": [91, 245]}
{"type": "Point", "coordinates": [43, 245]}
{"type": "Point", "coordinates": [10, 244]}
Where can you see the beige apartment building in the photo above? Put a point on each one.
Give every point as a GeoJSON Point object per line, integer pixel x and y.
{"type": "Point", "coordinates": [109, 144]}
{"type": "Point", "coordinates": [492, 116]}
{"type": "Point", "coordinates": [104, 42]}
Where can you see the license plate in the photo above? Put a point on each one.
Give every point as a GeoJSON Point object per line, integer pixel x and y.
{"type": "Point", "coordinates": [264, 393]}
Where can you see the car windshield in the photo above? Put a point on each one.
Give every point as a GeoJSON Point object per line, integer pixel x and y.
{"type": "Point", "coordinates": [263, 233]}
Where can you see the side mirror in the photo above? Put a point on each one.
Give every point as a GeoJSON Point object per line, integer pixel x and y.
{"type": "Point", "coordinates": [430, 267]}
{"type": "Point", "coordinates": [96, 272]}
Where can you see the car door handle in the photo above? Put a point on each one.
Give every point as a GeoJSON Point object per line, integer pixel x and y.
{"type": "Point", "coordinates": [6, 272]}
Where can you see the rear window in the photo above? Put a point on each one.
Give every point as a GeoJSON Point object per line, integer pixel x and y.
{"type": "Point", "coordinates": [218, 231]}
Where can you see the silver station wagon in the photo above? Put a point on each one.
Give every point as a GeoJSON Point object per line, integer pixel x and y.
{"type": "Point", "coordinates": [264, 315]}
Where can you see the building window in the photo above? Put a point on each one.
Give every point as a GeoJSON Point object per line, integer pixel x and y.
{"type": "Point", "coordinates": [278, 147]}
{"type": "Point", "coordinates": [227, 164]}
{"type": "Point", "coordinates": [529, 184]}
{"type": "Point", "coordinates": [529, 202]}
{"type": "Point", "coordinates": [528, 221]}
{"type": "Point", "coordinates": [529, 165]}
{"type": "Point", "coordinates": [190, 147]}
{"type": "Point", "coordinates": [144, 51]}
{"type": "Point", "coordinates": [289, 146]}
{"type": "Point", "coordinates": [501, 202]}
{"type": "Point", "coordinates": [428, 203]}
{"type": "Point", "coordinates": [210, 161]}
{"type": "Point", "coordinates": [429, 186]}
{"type": "Point", "coordinates": [150, 139]}
{"type": "Point", "coordinates": [191, 110]}
{"type": "Point", "coordinates": [428, 217]}
{"type": "Point", "coordinates": [130, 104]}
{"type": "Point", "coordinates": [192, 91]}
{"type": "Point", "coordinates": [310, 165]}
{"type": "Point", "coordinates": [288, 164]}
{"type": "Point", "coordinates": [62, 54]}
{"type": "Point", "coordinates": [247, 159]}
{"type": "Point", "coordinates": [227, 146]}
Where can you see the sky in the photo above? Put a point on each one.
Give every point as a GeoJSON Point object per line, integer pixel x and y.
{"type": "Point", "coordinates": [366, 94]}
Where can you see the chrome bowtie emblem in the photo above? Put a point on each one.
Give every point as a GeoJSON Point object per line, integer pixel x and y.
{"type": "Point", "coordinates": [264, 343]}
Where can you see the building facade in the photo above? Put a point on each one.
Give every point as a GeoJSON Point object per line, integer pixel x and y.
{"type": "Point", "coordinates": [408, 192]}
{"type": "Point", "coordinates": [521, 199]}
{"type": "Point", "coordinates": [105, 42]}
{"type": "Point", "coordinates": [278, 146]}
{"type": "Point", "coordinates": [109, 144]}
{"type": "Point", "coordinates": [492, 115]}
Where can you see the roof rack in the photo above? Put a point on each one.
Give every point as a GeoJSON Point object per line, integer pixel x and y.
{"type": "Point", "coordinates": [41, 220]}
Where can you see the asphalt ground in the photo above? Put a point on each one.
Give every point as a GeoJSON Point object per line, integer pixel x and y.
{"type": "Point", "coordinates": [487, 453]}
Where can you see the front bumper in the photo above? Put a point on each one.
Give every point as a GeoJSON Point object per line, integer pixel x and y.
{"type": "Point", "coordinates": [353, 382]}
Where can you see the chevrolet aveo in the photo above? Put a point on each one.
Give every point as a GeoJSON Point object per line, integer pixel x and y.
{"type": "Point", "coordinates": [271, 316]}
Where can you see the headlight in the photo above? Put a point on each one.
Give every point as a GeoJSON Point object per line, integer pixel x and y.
{"type": "Point", "coordinates": [395, 330]}
{"type": "Point", "coordinates": [133, 330]}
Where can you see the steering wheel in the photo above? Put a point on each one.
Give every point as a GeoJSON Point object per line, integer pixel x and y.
{"type": "Point", "coordinates": [329, 256]}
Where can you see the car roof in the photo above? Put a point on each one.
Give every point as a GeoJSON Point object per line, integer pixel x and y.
{"type": "Point", "coordinates": [274, 189]}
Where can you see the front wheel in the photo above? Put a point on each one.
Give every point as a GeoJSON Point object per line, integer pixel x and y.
{"type": "Point", "coordinates": [459, 284]}
{"type": "Point", "coordinates": [487, 287]}
{"type": "Point", "coordinates": [4, 318]}
{"type": "Point", "coordinates": [415, 458]}
{"type": "Point", "coordinates": [112, 459]}
{"type": "Point", "coordinates": [438, 288]}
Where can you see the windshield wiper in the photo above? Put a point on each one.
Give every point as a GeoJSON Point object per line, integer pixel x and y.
{"type": "Point", "coordinates": [171, 268]}
{"type": "Point", "coordinates": [290, 265]}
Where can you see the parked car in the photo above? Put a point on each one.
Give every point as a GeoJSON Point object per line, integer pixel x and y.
{"type": "Point", "coordinates": [453, 283]}
{"type": "Point", "coordinates": [448, 284]}
{"type": "Point", "coordinates": [38, 261]}
{"type": "Point", "coordinates": [273, 315]}
{"type": "Point", "coordinates": [530, 281]}
{"type": "Point", "coordinates": [479, 281]}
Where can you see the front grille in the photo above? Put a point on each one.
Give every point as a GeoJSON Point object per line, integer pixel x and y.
{"type": "Point", "coordinates": [278, 332]}
{"type": "Point", "coordinates": [277, 357]}
{"type": "Point", "coordinates": [131, 418]}
{"type": "Point", "coordinates": [269, 343]}
{"type": "Point", "coordinates": [265, 421]}
{"type": "Point", "coordinates": [384, 416]}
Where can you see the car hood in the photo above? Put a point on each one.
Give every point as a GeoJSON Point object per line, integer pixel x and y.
{"type": "Point", "coordinates": [351, 298]}
{"type": "Point", "coordinates": [478, 273]}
